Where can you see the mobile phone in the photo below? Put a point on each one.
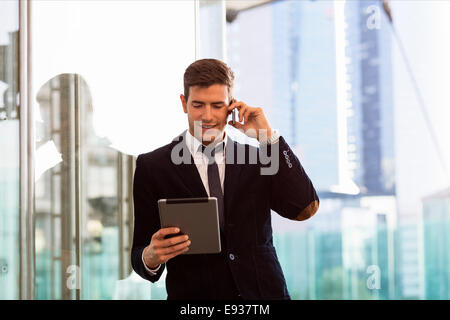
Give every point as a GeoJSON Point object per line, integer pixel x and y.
{"type": "Point", "coordinates": [233, 113]}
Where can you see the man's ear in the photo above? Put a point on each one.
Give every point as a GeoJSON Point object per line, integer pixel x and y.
{"type": "Point", "coordinates": [183, 103]}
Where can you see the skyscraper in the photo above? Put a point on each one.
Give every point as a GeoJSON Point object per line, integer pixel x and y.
{"type": "Point", "coordinates": [370, 111]}
{"type": "Point", "coordinates": [282, 53]}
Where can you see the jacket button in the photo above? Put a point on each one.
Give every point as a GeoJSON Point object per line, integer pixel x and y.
{"type": "Point", "coordinates": [231, 256]}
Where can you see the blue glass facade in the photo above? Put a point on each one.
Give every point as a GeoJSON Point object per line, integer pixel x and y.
{"type": "Point", "coordinates": [370, 125]}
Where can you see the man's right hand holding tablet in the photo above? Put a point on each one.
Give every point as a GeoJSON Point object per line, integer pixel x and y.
{"type": "Point", "coordinates": [160, 249]}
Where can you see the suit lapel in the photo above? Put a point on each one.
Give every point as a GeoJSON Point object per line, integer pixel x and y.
{"type": "Point", "coordinates": [232, 171]}
{"type": "Point", "coordinates": [188, 172]}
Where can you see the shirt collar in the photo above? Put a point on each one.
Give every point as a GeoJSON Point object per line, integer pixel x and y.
{"type": "Point", "coordinates": [194, 144]}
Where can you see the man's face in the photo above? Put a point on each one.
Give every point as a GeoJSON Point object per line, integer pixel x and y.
{"type": "Point", "coordinates": [207, 110]}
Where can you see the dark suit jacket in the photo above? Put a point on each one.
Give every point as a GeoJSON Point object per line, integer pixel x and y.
{"type": "Point", "coordinates": [248, 265]}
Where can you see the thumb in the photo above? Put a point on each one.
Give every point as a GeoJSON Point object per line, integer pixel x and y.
{"type": "Point", "coordinates": [237, 125]}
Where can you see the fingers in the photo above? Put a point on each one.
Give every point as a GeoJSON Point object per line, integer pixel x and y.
{"type": "Point", "coordinates": [244, 110]}
{"type": "Point", "coordinates": [161, 233]}
{"type": "Point", "coordinates": [174, 254]}
{"type": "Point", "coordinates": [160, 249]}
{"type": "Point", "coordinates": [237, 125]}
{"type": "Point", "coordinates": [174, 248]}
{"type": "Point", "coordinates": [171, 241]}
{"type": "Point", "coordinates": [245, 113]}
{"type": "Point", "coordinates": [247, 117]}
{"type": "Point", "coordinates": [236, 104]}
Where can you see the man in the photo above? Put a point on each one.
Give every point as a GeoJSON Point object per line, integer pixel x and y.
{"type": "Point", "coordinates": [247, 267]}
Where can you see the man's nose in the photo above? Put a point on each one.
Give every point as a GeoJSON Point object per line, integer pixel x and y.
{"type": "Point", "coordinates": [207, 114]}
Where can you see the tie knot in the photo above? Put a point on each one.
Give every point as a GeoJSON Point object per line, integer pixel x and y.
{"type": "Point", "coordinates": [210, 151]}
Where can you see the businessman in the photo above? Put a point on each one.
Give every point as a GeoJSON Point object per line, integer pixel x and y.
{"type": "Point", "coordinates": [247, 268]}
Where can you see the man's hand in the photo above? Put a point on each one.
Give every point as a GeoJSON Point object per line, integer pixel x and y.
{"type": "Point", "coordinates": [161, 250]}
{"type": "Point", "coordinates": [254, 118]}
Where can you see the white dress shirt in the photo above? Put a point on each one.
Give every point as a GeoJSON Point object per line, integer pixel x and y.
{"type": "Point", "coordinates": [201, 160]}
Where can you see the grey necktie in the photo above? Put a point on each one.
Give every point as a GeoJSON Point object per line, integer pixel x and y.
{"type": "Point", "coordinates": [215, 188]}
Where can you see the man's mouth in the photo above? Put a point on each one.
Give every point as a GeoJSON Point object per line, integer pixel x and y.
{"type": "Point", "coordinates": [208, 126]}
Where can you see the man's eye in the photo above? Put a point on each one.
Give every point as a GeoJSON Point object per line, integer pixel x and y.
{"type": "Point", "coordinates": [218, 106]}
{"type": "Point", "coordinates": [197, 106]}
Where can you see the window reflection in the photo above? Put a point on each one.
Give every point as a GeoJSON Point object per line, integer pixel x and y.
{"type": "Point", "coordinates": [85, 182]}
{"type": "Point", "coordinates": [77, 194]}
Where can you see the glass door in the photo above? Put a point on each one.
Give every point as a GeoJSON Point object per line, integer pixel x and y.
{"type": "Point", "coordinates": [9, 150]}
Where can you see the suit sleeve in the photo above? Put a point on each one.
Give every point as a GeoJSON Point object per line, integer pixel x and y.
{"type": "Point", "coordinates": [292, 194]}
{"type": "Point", "coordinates": [146, 220]}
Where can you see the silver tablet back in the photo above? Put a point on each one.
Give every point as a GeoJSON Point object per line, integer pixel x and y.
{"type": "Point", "coordinates": [196, 217]}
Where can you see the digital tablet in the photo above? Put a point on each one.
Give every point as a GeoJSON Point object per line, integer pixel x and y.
{"type": "Point", "coordinates": [196, 217]}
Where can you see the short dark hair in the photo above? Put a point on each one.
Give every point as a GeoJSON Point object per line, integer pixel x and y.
{"type": "Point", "coordinates": [206, 72]}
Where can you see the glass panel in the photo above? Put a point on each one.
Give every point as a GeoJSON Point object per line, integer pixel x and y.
{"type": "Point", "coordinates": [92, 121]}
{"type": "Point", "coordinates": [9, 150]}
{"type": "Point", "coordinates": [212, 29]}
{"type": "Point", "coordinates": [56, 187]}
{"type": "Point", "coordinates": [365, 108]}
